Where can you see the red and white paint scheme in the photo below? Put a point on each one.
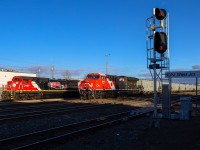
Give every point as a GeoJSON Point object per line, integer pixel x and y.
{"type": "Point", "coordinates": [55, 85]}
{"type": "Point", "coordinates": [96, 81]}
{"type": "Point", "coordinates": [95, 85]}
{"type": "Point", "coordinates": [19, 83]}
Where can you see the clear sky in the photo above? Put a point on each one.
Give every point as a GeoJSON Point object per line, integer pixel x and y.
{"type": "Point", "coordinates": [76, 35]}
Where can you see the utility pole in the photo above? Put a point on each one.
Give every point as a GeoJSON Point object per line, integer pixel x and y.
{"type": "Point", "coordinates": [52, 72]}
{"type": "Point", "coordinates": [107, 63]}
{"type": "Point", "coordinates": [39, 70]}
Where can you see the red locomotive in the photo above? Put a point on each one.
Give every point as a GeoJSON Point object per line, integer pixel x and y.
{"type": "Point", "coordinates": [22, 87]}
{"type": "Point", "coordinates": [96, 81]}
{"type": "Point", "coordinates": [97, 85]}
{"type": "Point", "coordinates": [22, 83]}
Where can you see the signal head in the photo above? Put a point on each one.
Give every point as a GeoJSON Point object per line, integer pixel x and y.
{"type": "Point", "coordinates": [160, 42]}
{"type": "Point", "coordinates": [160, 14]}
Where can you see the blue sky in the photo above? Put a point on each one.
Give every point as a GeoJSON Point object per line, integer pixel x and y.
{"type": "Point", "coordinates": [75, 35]}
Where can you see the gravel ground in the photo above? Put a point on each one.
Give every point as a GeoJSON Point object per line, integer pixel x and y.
{"type": "Point", "coordinates": [35, 124]}
{"type": "Point", "coordinates": [137, 134]}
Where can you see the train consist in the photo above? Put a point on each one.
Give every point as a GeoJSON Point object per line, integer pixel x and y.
{"type": "Point", "coordinates": [22, 87]}
{"type": "Point", "coordinates": [94, 85]}
{"type": "Point", "coordinates": [97, 85]}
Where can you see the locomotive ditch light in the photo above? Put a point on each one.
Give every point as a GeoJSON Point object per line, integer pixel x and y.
{"type": "Point", "coordinates": [160, 14]}
{"type": "Point", "coordinates": [14, 85]}
{"type": "Point", "coordinates": [160, 42]}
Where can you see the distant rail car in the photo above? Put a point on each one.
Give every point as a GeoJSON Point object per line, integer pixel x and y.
{"type": "Point", "coordinates": [21, 88]}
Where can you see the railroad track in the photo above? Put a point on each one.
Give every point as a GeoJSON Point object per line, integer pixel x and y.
{"type": "Point", "coordinates": [34, 107]}
{"type": "Point", "coordinates": [22, 104]}
{"type": "Point", "coordinates": [46, 137]}
{"type": "Point", "coordinates": [28, 115]}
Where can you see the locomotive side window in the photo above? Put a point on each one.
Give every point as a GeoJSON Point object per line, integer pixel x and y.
{"type": "Point", "coordinates": [93, 77]}
{"type": "Point", "coordinates": [103, 78]}
{"type": "Point", "coordinates": [96, 77]}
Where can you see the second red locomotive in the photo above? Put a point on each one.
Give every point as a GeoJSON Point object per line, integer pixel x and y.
{"type": "Point", "coordinates": [98, 85]}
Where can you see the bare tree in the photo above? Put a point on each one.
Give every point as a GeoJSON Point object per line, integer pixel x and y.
{"type": "Point", "coordinates": [67, 74]}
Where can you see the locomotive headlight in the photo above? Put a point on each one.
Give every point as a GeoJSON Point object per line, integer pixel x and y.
{"type": "Point", "coordinates": [14, 85]}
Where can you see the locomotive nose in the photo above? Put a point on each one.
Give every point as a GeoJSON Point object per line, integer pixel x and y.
{"type": "Point", "coordinates": [85, 85]}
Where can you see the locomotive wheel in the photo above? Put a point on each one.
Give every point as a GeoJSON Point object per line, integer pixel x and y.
{"type": "Point", "coordinates": [6, 96]}
{"type": "Point", "coordinates": [98, 94]}
{"type": "Point", "coordinates": [102, 94]}
{"type": "Point", "coordinates": [88, 95]}
{"type": "Point", "coordinates": [17, 97]}
{"type": "Point", "coordinates": [24, 97]}
{"type": "Point", "coordinates": [84, 95]}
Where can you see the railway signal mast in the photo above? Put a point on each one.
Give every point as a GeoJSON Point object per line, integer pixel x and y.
{"type": "Point", "coordinates": [157, 46]}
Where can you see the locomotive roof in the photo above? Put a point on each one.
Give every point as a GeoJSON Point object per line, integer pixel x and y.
{"type": "Point", "coordinates": [97, 74]}
{"type": "Point", "coordinates": [45, 79]}
{"type": "Point", "coordinates": [115, 76]}
{"type": "Point", "coordinates": [128, 78]}
{"type": "Point", "coordinates": [31, 78]}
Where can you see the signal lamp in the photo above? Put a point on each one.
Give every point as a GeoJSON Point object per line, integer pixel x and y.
{"type": "Point", "coordinates": [160, 14]}
{"type": "Point", "coordinates": [160, 42]}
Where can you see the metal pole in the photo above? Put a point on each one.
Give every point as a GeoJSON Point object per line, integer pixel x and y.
{"type": "Point", "coordinates": [196, 85]}
{"type": "Point", "coordinates": [168, 42]}
{"type": "Point", "coordinates": [39, 71]}
{"type": "Point", "coordinates": [154, 71]}
{"type": "Point", "coordinates": [107, 63]}
{"type": "Point", "coordinates": [155, 92]}
{"type": "Point", "coordinates": [52, 72]}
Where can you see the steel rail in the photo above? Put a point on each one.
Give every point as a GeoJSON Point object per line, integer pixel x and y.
{"type": "Point", "coordinates": [30, 108]}
{"type": "Point", "coordinates": [74, 129]}
{"type": "Point", "coordinates": [20, 116]}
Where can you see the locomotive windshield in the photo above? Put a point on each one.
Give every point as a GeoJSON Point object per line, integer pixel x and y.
{"type": "Point", "coordinates": [95, 77]}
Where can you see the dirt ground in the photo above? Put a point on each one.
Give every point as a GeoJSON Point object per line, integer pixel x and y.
{"type": "Point", "coordinates": [174, 134]}
{"type": "Point", "coordinates": [138, 134]}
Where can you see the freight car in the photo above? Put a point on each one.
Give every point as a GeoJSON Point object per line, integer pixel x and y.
{"type": "Point", "coordinates": [22, 87]}
{"type": "Point", "coordinates": [148, 86]}
{"type": "Point", "coordinates": [98, 85]}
